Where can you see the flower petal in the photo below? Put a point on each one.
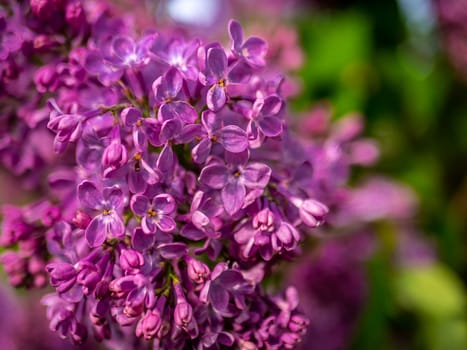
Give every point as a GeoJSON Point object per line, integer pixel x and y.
{"type": "Point", "coordinates": [114, 196]}
{"type": "Point", "coordinates": [123, 47]}
{"type": "Point", "coordinates": [236, 34]}
{"type": "Point", "coordinates": [89, 195]}
{"type": "Point", "coordinates": [272, 105]}
{"type": "Point", "coordinates": [233, 197]}
{"type": "Point", "coordinates": [114, 226]}
{"type": "Point", "coordinates": [164, 203]}
{"type": "Point", "coordinates": [230, 279]}
{"type": "Point", "coordinates": [166, 161]}
{"type": "Point", "coordinates": [166, 223]}
{"type": "Point", "coordinates": [234, 139]}
{"type": "Point", "coordinates": [172, 250]}
{"type": "Point", "coordinates": [214, 176]}
{"type": "Point", "coordinates": [94, 63]}
{"type": "Point", "coordinates": [96, 232]}
{"type": "Point", "coordinates": [170, 127]}
{"type": "Point", "coordinates": [139, 204]}
{"type": "Point", "coordinates": [192, 233]}
{"type": "Point", "coordinates": [216, 97]}
{"type": "Point", "coordinates": [270, 126]}
{"type": "Point", "coordinates": [201, 151]}
{"type": "Point", "coordinates": [254, 50]}
{"type": "Point", "coordinates": [217, 62]}
{"type": "Point", "coordinates": [256, 175]}
{"type": "Point", "coordinates": [219, 297]}
{"type": "Point", "coordinates": [211, 121]}
{"type": "Point", "coordinates": [149, 224]}
{"type": "Point", "coordinates": [136, 182]}
{"type": "Point", "coordinates": [141, 241]}
{"type": "Point", "coordinates": [180, 110]}
{"type": "Point", "coordinates": [174, 82]}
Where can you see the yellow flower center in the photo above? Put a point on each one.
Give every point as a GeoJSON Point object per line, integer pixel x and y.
{"type": "Point", "coordinates": [152, 212]}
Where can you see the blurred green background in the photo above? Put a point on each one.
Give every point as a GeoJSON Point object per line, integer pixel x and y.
{"type": "Point", "coordinates": [385, 59]}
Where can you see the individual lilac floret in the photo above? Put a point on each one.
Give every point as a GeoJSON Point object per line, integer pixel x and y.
{"type": "Point", "coordinates": [181, 55]}
{"type": "Point", "coordinates": [219, 76]}
{"type": "Point", "coordinates": [108, 223]}
{"type": "Point", "coordinates": [311, 211]}
{"type": "Point", "coordinates": [115, 155]}
{"type": "Point", "coordinates": [233, 182]}
{"type": "Point", "coordinates": [149, 325]}
{"type": "Point", "coordinates": [141, 171]}
{"type": "Point", "coordinates": [264, 120]}
{"type": "Point", "coordinates": [95, 64]}
{"type": "Point", "coordinates": [183, 313]}
{"type": "Point", "coordinates": [197, 271]}
{"type": "Point", "coordinates": [125, 53]}
{"type": "Point", "coordinates": [68, 127]}
{"type": "Point", "coordinates": [231, 137]}
{"type": "Point", "coordinates": [225, 284]}
{"type": "Point", "coordinates": [155, 213]}
{"type": "Point", "coordinates": [167, 91]}
{"type": "Point", "coordinates": [131, 261]}
{"type": "Point", "coordinates": [143, 129]}
{"type": "Point", "coordinates": [253, 50]}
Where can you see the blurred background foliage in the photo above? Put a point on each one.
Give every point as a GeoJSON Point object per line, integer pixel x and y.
{"type": "Point", "coordinates": [385, 59]}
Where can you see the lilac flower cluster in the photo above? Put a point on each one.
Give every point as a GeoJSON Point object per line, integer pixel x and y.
{"type": "Point", "coordinates": [180, 184]}
{"type": "Point", "coordinates": [38, 52]}
{"type": "Point", "coordinates": [178, 201]}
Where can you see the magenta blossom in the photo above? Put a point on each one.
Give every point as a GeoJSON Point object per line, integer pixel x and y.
{"type": "Point", "coordinates": [253, 50]}
{"type": "Point", "coordinates": [233, 182]}
{"type": "Point", "coordinates": [213, 133]}
{"type": "Point", "coordinates": [108, 222]}
{"type": "Point", "coordinates": [155, 213]}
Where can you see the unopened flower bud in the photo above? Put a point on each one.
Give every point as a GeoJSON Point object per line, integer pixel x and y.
{"type": "Point", "coordinates": [81, 219]}
{"type": "Point", "coordinates": [149, 325]}
{"type": "Point", "coordinates": [115, 155]}
{"type": "Point", "coordinates": [197, 271]}
{"type": "Point", "coordinates": [131, 260]}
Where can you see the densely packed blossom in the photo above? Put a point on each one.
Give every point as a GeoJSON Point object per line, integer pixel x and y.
{"type": "Point", "coordinates": [180, 183]}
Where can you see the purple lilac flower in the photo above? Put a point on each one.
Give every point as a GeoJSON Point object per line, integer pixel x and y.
{"type": "Point", "coordinates": [231, 137]}
{"type": "Point", "coordinates": [253, 50]}
{"type": "Point", "coordinates": [95, 64]}
{"type": "Point", "coordinates": [264, 120]}
{"type": "Point", "coordinates": [107, 223]}
{"type": "Point", "coordinates": [167, 90]}
{"type": "Point", "coordinates": [155, 212]}
{"type": "Point", "coordinates": [115, 154]}
{"type": "Point", "coordinates": [143, 129]}
{"type": "Point", "coordinates": [180, 54]}
{"type": "Point", "coordinates": [68, 127]}
{"type": "Point", "coordinates": [141, 171]}
{"type": "Point", "coordinates": [233, 182]}
{"type": "Point", "coordinates": [219, 76]}
{"type": "Point", "coordinates": [125, 53]}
